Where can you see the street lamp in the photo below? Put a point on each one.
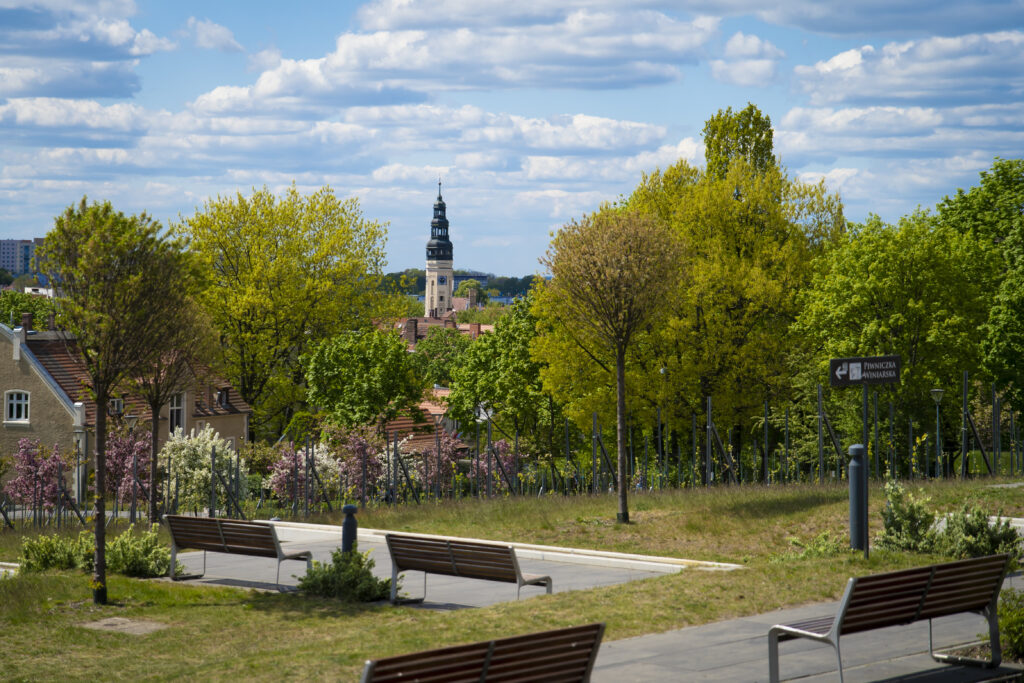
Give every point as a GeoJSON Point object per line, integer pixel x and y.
{"type": "Point", "coordinates": [937, 397]}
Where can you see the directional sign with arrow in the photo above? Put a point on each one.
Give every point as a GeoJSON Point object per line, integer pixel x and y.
{"type": "Point", "coordinates": [844, 372]}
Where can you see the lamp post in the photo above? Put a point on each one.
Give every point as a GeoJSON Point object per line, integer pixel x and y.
{"type": "Point", "coordinates": [937, 397]}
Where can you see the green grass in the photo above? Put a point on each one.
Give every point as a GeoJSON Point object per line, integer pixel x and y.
{"type": "Point", "coordinates": [221, 633]}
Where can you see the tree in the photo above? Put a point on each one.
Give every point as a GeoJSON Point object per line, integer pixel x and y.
{"type": "Point", "coordinates": [5, 277]}
{"type": "Point", "coordinates": [497, 371]}
{"type": "Point", "coordinates": [612, 274]}
{"type": "Point", "coordinates": [994, 212]}
{"type": "Point", "coordinates": [440, 353]}
{"type": "Point", "coordinates": [466, 287]}
{"type": "Point", "coordinates": [14, 303]}
{"type": "Point", "coordinates": [746, 134]}
{"type": "Point", "coordinates": [916, 289]}
{"type": "Point", "coordinates": [752, 254]}
{"type": "Point", "coordinates": [111, 271]}
{"type": "Point", "coordinates": [363, 377]}
{"type": "Point", "coordinates": [186, 348]}
{"type": "Point", "coordinates": [283, 273]}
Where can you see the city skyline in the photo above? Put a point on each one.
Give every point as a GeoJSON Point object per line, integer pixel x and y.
{"type": "Point", "coordinates": [531, 115]}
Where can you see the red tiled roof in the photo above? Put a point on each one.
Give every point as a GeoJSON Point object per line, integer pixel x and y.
{"type": "Point", "coordinates": [420, 433]}
{"type": "Point", "coordinates": [61, 359]}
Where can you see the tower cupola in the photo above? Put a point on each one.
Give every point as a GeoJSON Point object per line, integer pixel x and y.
{"type": "Point", "coordinates": [439, 247]}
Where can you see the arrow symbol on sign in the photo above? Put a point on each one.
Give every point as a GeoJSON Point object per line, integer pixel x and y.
{"type": "Point", "coordinates": [841, 370]}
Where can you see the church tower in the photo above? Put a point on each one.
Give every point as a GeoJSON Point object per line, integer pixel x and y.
{"type": "Point", "coordinates": [438, 299]}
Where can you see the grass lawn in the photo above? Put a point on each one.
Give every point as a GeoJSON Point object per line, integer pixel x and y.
{"type": "Point", "coordinates": [223, 633]}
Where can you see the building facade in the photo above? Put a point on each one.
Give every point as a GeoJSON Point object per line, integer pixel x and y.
{"type": "Point", "coordinates": [440, 274]}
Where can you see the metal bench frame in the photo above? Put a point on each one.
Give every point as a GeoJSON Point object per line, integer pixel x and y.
{"type": "Point", "coordinates": [454, 557]}
{"type": "Point", "coordinates": [560, 655]}
{"type": "Point", "coordinates": [232, 536]}
{"type": "Point", "coordinates": [904, 597]}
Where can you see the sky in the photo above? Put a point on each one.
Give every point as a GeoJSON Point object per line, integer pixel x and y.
{"type": "Point", "coordinates": [531, 112]}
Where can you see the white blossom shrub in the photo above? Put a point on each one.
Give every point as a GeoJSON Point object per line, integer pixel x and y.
{"type": "Point", "coordinates": [190, 467]}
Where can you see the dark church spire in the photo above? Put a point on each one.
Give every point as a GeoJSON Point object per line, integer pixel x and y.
{"type": "Point", "coordinates": [439, 247]}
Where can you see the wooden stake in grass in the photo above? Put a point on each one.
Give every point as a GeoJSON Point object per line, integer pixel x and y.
{"type": "Point", "coordinates": [612, 275]}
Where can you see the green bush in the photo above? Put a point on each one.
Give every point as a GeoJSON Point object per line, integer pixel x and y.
{"type": "Point", "coordinates": [969, 534]}
{"type": "Point", "coordinates": [130, 554]}
{"type": "Point", "coordinates": [140, 555]}
{"type": "Point", "coordinates": [907, 521]}
{"type": "Point", "coordinates": [57, 552]}
{"type": "Point", "coordinates": [1011, 623]}
{"type": "Point", "coordinates": [347, 577]}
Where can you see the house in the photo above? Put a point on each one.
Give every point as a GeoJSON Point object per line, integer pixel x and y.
{"type": "Point", "coordinates": [44, 380]}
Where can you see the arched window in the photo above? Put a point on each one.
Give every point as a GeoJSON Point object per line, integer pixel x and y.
{"type": "Point", "coordinates": [16, 406]}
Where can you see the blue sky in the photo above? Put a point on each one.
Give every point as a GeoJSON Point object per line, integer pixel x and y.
{"type": "Point", "coordinates": [533, 112]}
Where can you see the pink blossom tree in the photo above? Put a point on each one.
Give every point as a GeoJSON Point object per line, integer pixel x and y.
{"type": "Point", "coordinates": [503, 460]}
{"type": "Point", "coordinates": [37, 474]}
{"type": "Point", "coordinates": [121, 455]}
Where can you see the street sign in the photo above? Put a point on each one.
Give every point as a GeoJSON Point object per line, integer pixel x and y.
{"type": "Point", "coordinates": [845, 372]}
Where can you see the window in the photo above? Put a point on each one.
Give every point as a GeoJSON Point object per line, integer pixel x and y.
{"type": "Point", "coordinates": [222, 398]}
{"type": "Point", "coordinates": [176, 413]}
{"type": "Point", "coordinates": [116, 406]}
{"type": "Point", "coordinates": [17, 406]}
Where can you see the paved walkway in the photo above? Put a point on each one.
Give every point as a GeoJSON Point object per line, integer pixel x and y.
{"type": "Point", "coordinates": [730, 651]}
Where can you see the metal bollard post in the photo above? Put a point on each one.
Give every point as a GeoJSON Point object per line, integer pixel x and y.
{"type": "Point", "coordinates": [348, 528]}
{"type": "Point", "coordinates": [858, 472]}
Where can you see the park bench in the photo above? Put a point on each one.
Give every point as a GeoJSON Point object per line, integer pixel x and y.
{"type": "Point", "coordinates": [903, 597]}
{"type": "Point", "coordinates": [455, 557]}
{"type": "Point", "coordinates": [233, 536]}
{"type": "Point", "coordinates": [566, 654]}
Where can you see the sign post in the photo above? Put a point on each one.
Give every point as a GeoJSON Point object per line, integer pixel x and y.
{"type": "Point", "coordinates": [845, 372]}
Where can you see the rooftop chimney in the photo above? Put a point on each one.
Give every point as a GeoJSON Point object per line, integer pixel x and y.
{"type": "Point", "coordinates": [474, 330]}
{"type": "Point", "coordinates": [411, 328]}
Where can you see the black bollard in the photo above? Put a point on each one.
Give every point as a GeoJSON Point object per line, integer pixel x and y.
{"type": "Point", "coordinates": [858, 473]}
{"type": "Point", "coordinates": [348, 528]}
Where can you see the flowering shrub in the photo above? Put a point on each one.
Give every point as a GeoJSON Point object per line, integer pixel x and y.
{"type": "Point", "coordinates": [121, 452]}
{"type": "Point", "coordinates": [36, 474]}
{"type": "Point", "coordinates": [351, 448]}
{"type": "Point", "coordinates": [428, 469]}
{"type": "Point", "coordinates": [503, 456]}
{"type": "Point", "coordinates": [292, 462]}
{"type": "Point", "coordinates": [190, 466]}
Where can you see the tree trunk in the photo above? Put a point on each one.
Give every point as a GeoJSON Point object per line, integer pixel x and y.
{"type": "Point", "coordinates": [154, 427]}
{"type": "Point", "coordinates": [99, 572]}
{"type": "Point", "coordinates": [620, 433]}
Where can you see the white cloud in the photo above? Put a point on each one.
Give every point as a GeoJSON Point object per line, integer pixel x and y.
{"type": "Point", "coordinates": [748, 61]}
{"type": "Point", "coordinates": [211, 36]}
{"type": "Point", "coordinates": [264, 60]}
{"type": "Point", "coordinates": [972, 68]}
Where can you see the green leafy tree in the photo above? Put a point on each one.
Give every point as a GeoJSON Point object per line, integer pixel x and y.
{"type": "Point", "coordinates": [613, 273]}
{"type": "Point", "coordinates": [471, 285]}
{"type": "Point", "coordinates": [14, 303]}
{"type": "Point", "coordinates": [440, 353]}
{"type": "Point", "coordinates": [746, 134]}
{"type": "Point", "coordinates": [750, 257]}
{"type": "Point", "coordinates": [362, 378]}
{"type": "Point", "coordinates": [5, 277]}
{"type": "Point", "coordinates": [993, 211]}
{"type": "Point", "coordinates": [498, 373]}
{"type": "Point", "coordinates": [112, 272]}
{"type": "Point", "coordinates": [916, 289]}
{"type": "Point", "coordinates": [283, 273]}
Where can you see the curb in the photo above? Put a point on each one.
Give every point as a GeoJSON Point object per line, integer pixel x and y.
{"type": "Point", "coordinates": [599, 558]}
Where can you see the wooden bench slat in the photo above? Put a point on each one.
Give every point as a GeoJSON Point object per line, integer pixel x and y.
{"type": "Point", "coordinates": [903, 597]}
{"type": "Point", "coordinates": [232, 536]}
{"type": "Point", "coordinates": [561, 655]}
{"type": "Point", "coordinates": [454, 557]}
